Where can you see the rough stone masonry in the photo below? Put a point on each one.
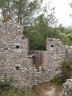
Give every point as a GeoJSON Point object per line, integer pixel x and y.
{"type": "Point", "coordinates": [17, 64]}
{"type": "Point", "coordinates": [67, 88]}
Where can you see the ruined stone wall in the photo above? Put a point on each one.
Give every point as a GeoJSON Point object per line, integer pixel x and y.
{"type": "Point", "coordinates": [14, 62]}
{"type": "Point", "coordinates": [68, 51]}
{"type": "Point", "coordinates": [67, 88]}
{"type": "Point", "coordinates": [17, 64]}
{"type": "Point", "coordinates": [51, 61]}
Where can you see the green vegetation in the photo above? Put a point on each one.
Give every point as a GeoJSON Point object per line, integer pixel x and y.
{"type": "Point", "coordinates": [67, 68]}
{"type": "Point", "coordinates": [7, 90]}
{"type": "Point", "coordinates": [4, 85]}
{"type": "Point", "coordinates": [18, 92]}
{"type": "Point", "coordinates": [58, 80]}
{"type": "Point", "coordinates": [66, 72]}
{"type": "Point", "coordinates": [20, 11]}
{"type": "Point", "coordinates": [36, 28]}
{"type": "Point", "coordinates": [41, 31]}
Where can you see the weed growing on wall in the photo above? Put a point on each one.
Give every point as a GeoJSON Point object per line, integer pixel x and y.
{"type": "Point", "coordinates": [58, 80]}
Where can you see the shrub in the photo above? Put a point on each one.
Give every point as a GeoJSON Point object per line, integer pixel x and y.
{"type": "Point", "coordinates": [67, 68]}
{"type": "Point", "coordinates": [58, 80]}
{"type": "Point", "coordinates": [66, 72]}
{"type": "Point", "coordinates": [5, 85]}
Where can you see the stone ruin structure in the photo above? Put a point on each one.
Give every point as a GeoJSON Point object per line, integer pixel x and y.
{"type": "Point", "coordinates": [67, 88]}
{"type": "Point", "coordinates": [18, 65]}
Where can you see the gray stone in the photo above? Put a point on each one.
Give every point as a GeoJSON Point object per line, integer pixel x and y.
{"type": "Point", "coordinates": [67, 88]}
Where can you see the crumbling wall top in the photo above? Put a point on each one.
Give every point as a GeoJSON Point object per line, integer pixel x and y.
{"type": "Point", "coordinates": [54, 44]}
{"type": "Point", "coordinates": [10, 30]}
{"type": "Point", "coordinates": [11, 26]}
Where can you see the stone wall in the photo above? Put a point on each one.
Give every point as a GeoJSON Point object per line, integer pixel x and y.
{"type": "Point", "coordinates": [14, 62]}
{"type": "Point", "coordinates": [68, 51]}
{"type": "Point", "coordinates": [67, 88]}
{"type": "Point", "coordinates": [17, 64]}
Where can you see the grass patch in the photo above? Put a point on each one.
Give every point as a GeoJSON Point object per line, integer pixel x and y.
{"type": "Point", "coordinates": [17, 92]}
{"type": "Point", "coordinates": [7, 90]}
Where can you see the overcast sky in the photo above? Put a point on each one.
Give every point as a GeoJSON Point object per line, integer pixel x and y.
{"type": "Point", "coordinates": [62, 11]}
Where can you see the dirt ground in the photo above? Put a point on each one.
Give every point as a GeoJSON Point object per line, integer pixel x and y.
{"type": "Point", "coordinates": [48, 89]}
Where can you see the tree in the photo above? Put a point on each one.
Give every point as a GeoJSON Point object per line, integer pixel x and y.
{"type": "Point", "coordinates": [37, 33]}
{"type": "Point", "coordinates": [40, 32]}
{"type": "Point", "coordinates": [20, 10]}
{"type": "Point", "coordinates": [42, 28]}
{"type": "Point", "coordinates": [49, 13]}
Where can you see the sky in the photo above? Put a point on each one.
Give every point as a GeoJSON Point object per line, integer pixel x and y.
{"type": "Point", "coordinates": [62, 11]}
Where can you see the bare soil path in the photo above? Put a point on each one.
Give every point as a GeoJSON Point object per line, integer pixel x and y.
{"type": "Point", "coordinates": [48, 89]}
